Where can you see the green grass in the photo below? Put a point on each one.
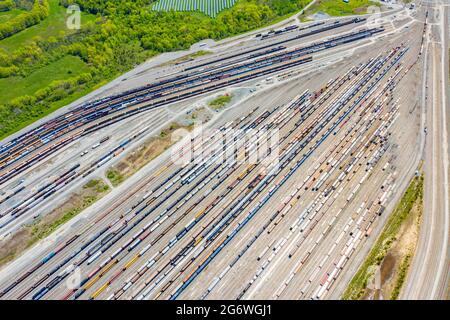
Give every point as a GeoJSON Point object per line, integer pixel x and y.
{"type": "Point", "coordinates": [220, 102]}
{"type": "Point", "coordinates": [42, 230]}
{"type": "Point", "coordinates": [64, 68]}
{"type": "Point", "coordinates": [199, 53]}
{"type": "Point", "coordinates": [339, 8]}
{"type": "Point", "coordinates": [115, 177]}
{"type": "Point", "coordinates": [53, 107]}
{"type": "Point", "coordinates": [401, 277]}
{"type": "Point", "coordinates": [98, 185]}
{"type": "Point", "coordinates": [53, 25]}
{"type": "Point", "coordinates": [8, 15]}
{"type": "Point", "coordinates": [358, 284]}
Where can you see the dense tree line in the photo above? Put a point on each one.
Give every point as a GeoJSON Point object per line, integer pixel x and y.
{"type": "Point", "coordinates": [24, 4]}
{"type": "Point", "coordinates": [38, 13]}
{"type": "Point", "coordinates": [6, 5]}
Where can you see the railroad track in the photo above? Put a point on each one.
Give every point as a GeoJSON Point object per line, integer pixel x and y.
{"type": "Point", "coordinates": [190, 214]}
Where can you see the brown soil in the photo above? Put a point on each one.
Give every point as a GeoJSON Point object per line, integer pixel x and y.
{"type": "Point", "coordinates": [149, 150]}
{"type": "Point", "coordinates": [405, 244]}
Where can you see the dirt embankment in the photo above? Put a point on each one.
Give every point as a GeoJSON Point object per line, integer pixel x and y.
{"type": "Point", "coordinates": [382, 274]}
{"type": "Point", "coordinates": [392, 270]}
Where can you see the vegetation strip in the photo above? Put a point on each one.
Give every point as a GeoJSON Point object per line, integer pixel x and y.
{"type": "Point", "coordinates": [340, 8]}
{"type": "Point", "coordinates": [220, 102]}
{"type": "Point", "coordinates": [358, 285]}
{"type": "Point", "coordinates": [39, 12]}
{"type": "Point", "coordinates": [138, 158]}
{"type": "Point", "coordinates": [26, 237]}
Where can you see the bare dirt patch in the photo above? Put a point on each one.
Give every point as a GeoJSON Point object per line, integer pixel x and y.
{"type": "Point", "coordinates": [382, 274]}
{"type": "Point", "coordinates": [145, 153]}
{"type": "Point", "coordinates": [395, 264]}
{"type": "Point", "coordinates": [155, 146]}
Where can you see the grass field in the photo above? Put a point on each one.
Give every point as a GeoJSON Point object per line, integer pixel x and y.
{"type": "Point", "coordinates": [340, 8]}
{"type": "Point", "coordinates": [8, 15]}
{"type": "Point", "coordinates": [220, 102]}
{"type": "Point", "coordinates": [51, 26]}
{"type": "Point", "coordinates": [64, 68]}
{"type": "Point", "coordinates": [186, 58]}
{"type": "Point", "coordinates": [115, 177]}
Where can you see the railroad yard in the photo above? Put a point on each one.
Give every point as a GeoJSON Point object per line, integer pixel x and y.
{"type": "Point", "coordinates": [285, 187]}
